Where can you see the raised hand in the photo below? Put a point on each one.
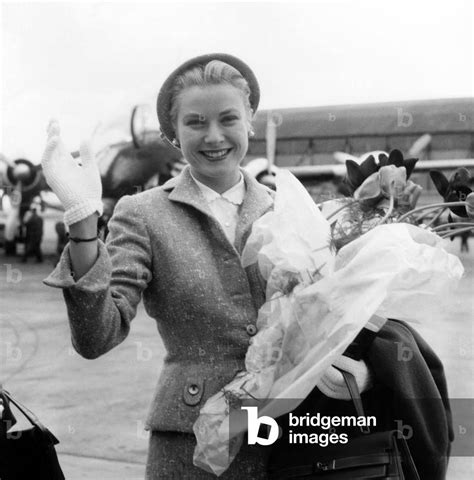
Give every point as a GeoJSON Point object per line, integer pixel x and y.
{"type": "Point", "coordinates": [76, 182]}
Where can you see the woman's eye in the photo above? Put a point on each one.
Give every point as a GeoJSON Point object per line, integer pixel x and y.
{"type": "Point", "coordinates": [230, 118]}
{"type": "Point", "coordinates": [194, 123]}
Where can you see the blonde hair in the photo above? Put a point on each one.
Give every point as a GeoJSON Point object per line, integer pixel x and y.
{"type": "Point", "coordinates": [213, 73]}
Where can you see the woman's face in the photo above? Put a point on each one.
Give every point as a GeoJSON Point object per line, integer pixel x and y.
{"type": "Point", "coordinates": [212, 129]}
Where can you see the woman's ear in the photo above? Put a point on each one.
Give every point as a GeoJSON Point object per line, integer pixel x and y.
{"type": "Point", "coordinates": [176, 132]}
{"type": "Point", "coordinates": [250, 118]}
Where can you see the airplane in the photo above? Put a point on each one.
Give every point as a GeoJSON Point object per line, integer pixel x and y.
{"type": "Point", "coordinates": [313, 143]}
{"type": "Point", "coordinates": [310, 142]}
{"type": "Point", "coordinates": [130, 160]}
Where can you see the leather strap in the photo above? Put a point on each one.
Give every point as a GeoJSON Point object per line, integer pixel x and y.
{"type": "Point", "coordinates": [356, 399]}
{"type": "Point", "coordinates": [79, 240]}
{"type": "Point", "coordinates": [355, 395]}
{"type": "Point", "coordinates": [359, 346]}
{"type": "Point", "coordinates": [353, 462]}
{"type": "Point", "coordinates": [301, 471]}
{"type": "Point", "coordinates": [33, 419]}
{"type": "Point", "coordinates": [406, 456]}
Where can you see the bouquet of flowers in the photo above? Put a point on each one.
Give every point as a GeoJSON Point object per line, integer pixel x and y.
{"type": "Point", "coordinates": [323, 287]}
{"type": "Point", "coordinates": [378, 192]}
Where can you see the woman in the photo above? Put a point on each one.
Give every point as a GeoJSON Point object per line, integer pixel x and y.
{"type": "Point", "coordinates": [179, 245]}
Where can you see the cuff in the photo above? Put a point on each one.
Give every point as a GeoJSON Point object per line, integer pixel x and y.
{"type": "Point", "coordinates": [95, 280]}
{"type": "Point", "coordinates": [83, 210]}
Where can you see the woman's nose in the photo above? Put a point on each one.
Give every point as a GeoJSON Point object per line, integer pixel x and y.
{"type": "Point", "coordinates": [214, 133]}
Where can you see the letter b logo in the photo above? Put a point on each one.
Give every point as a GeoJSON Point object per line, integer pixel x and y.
{"type": "Point", "coordinates": [254, 422]}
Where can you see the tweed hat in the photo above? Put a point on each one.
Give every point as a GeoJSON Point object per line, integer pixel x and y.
{"type": "Point", "coordinates": [163, 104]}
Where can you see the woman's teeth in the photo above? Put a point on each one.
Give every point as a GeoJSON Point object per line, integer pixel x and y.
{"type": "Point", "coordinates": [216, 154]}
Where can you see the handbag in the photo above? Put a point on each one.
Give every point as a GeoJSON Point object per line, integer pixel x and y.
{"type": "Point", "coordinates": [382, 455]}
{"type": "Point", "coordinates": [26, 454]}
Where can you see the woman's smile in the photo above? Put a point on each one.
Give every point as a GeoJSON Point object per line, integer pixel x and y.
{"type": "Point", "coordinates": [216, 155]}
{"type": "Point", "coordinates": [212, 129]}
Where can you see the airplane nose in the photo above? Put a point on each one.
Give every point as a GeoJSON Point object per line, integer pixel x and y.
{"type": "Point", "coordinates": [21, 172]}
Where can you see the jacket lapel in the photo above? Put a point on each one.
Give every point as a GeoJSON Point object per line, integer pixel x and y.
{"type": "Point", "coordinates": [185, 190]}
{"type": "Point", "coordinates": [258, 200]}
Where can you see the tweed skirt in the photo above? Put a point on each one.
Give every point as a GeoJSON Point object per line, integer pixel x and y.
{"type": "Point", "coordinates": [170, 457]}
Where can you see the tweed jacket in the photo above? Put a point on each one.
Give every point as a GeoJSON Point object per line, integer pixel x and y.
{"type": "Point", "coordinates": [166, 244]}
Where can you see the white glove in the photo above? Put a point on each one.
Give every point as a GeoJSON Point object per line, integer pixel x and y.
{"type": "Point", "coordinates": [332, 383]}
{"type": "Point", "coordinates": [76, 182]}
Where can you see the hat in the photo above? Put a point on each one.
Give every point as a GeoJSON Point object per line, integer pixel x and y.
{"type": "Point", "coordinates": [163, 104]}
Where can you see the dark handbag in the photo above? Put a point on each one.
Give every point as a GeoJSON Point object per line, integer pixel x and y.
{"type": "Point", "coordinates": [382, 455]}
{"type": "Point", "coordinates": [26, 454]}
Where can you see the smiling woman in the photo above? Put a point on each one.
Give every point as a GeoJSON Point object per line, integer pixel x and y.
{"type": "Point", "coordinates": [179, 245]}
{"type": "Point", "coordinates": [209, 118]}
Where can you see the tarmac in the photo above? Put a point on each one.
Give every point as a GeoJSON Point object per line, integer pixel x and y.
{"type": "Point", "coordinates": [97, 408]}
{"type": "Point", "coordinates": [77, 467]}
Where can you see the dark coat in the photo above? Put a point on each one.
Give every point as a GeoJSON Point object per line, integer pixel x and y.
{"type": "Point", "coordinates": [409, 394]}
{"type": "Point", "coordinates": [34, 229]}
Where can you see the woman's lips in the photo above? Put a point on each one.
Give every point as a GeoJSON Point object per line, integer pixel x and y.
{"type": "Point", "coordinates": [216, 154]}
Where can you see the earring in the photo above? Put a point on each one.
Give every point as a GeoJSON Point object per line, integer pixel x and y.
{"type": "Point", "coordinates": [175, 142]}
{"type": "Point", "coordinates": [251, 133]}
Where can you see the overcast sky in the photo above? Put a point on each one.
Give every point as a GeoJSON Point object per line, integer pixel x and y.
{"type": "Point", "coordinates": [89, 62]}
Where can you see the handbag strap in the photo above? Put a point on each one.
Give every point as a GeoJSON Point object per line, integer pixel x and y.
{"type": "Point", "coordinates": [359, 346]}
{"type": "Point", "coordinates": [355, 396]}
{"type": "Point", "coordinates": [406, 456]}
{"type": "Point", "coordinates": [357, 401]}
{"type": "Point", "coordinates": [32, 418]}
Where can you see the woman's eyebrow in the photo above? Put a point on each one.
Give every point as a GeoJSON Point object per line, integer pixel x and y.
{"type": "Point", "coordinates": [229, 110]}
{"type": "Point", "coordinates": [192, 115]}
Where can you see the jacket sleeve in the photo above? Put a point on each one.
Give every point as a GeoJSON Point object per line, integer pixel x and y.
{"type": "Point", "coordinates": [404, 362]}
{"type": "Point", "coordinates": [102, 303]}
{"type": "Point", "coordinates": [437, 371]}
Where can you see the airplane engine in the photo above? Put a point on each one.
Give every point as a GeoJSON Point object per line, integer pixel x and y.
{"type": "Point", "coordinates": [22, 181]}
{"type": "Point", "coordinates": [131, 168]}
{"type": "Point", "coordinates": [22, 174]}
{"type": "Point", "coordinates": [22, 170]}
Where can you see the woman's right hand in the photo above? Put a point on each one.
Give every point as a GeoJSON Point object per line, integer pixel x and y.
{"type": "Point", "coordinates": [76, 182]}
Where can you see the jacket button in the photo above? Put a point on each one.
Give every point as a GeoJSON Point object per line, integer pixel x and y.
{"type": "Point", "coordinates": [193, 389]}
{"type": "Point", "coordinates": [251, 329]}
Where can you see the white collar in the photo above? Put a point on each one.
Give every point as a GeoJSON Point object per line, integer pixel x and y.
{"type": "Point", "coordinates": [234, 195]}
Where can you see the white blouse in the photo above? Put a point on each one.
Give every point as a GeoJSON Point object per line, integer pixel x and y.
{"type": "Point", "coordinates": [225, 206]}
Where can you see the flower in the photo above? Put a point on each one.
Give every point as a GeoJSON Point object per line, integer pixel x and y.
{"type": "Point", "coordinates": [388, 178]}
{"type": "Point", "coordinates": [379, 192]}
{"type": "Point", "coordinates": [392, 180]}
{"type": "Point", "coordinates": [357, 174]}
{"type": "Point", "coordinates": [456, 189]}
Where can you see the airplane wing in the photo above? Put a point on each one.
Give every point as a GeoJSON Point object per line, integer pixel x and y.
{"type": "Point", "coordinates": [338, 170]}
